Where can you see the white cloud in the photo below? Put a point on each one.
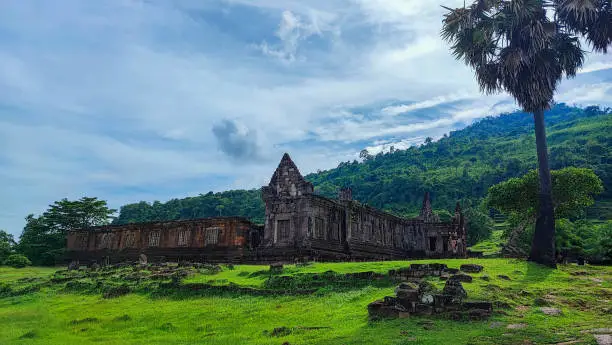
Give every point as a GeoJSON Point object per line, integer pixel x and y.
{"type": "Point", "coordinates": [291, 31]}
{"type": "Point", "coordinates": [406, 108]}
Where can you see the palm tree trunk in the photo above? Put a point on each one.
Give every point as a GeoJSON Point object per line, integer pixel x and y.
{"type": "Point", "coordinates": [543, 245]}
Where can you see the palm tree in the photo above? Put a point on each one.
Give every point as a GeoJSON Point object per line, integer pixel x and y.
{"type": "Point", "coordinates": [526, 47]}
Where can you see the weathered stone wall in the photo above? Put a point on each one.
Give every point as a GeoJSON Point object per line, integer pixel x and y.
{"type": "Point", "coordinates": [192, 237]}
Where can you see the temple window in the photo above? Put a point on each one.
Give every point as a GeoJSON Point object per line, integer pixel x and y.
{"type": "Point", "coordinates": [154, 238]}
{"type": "Point", "coordinates": [183, 238]}
{"type": "Point", "coordinates": [283, 227]}
{"type": "Point", "coordinates": [212, 236]}
{"type": "Point", "coordinates": [432, 244]}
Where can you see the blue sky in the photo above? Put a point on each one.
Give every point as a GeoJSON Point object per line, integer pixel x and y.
{"type": "Point", "coordinates": [131, 100]}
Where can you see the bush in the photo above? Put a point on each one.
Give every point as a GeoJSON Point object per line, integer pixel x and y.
{"type": "Point", "coordinates": [17, 261]}
{"type": "Point", "coordinates": [479, 225]}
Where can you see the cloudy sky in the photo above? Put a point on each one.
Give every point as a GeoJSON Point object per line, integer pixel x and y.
{"type": "Point", "coordinates": [131, 100]}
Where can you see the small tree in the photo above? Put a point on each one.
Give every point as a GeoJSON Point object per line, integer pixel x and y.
{"type": "Point", "coordinates": [479, 225]}
{"type": "Point", "coordinates": [573, 190]}
{"type": "Point", "coordinates": [17, 261]}
{"type": "Point", "coordinates": [6, 245]}
{"type": "Point", "coordinates": [43, 237]}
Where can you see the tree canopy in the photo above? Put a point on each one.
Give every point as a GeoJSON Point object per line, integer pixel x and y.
{"type": "Point", "coordinates": [43, 237]}
{"type": "Point", "coordinates": [7, 242]}
{"type": "Point", "coordinates": [574, 189]}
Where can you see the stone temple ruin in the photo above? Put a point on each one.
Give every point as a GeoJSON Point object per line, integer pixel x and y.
{"type": "Point", "coordinates": [299, 224]}
{"type": "Point", "coordinates": [417, 297]}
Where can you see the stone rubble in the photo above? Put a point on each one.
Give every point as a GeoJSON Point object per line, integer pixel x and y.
{"type": "Point", "coordinates": [415, 297]}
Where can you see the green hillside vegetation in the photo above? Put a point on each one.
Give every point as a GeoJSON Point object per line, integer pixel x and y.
{"type": "Point", "coordinates": [246, 304]}
{"type": "Point", "coordinates": [461, 166]}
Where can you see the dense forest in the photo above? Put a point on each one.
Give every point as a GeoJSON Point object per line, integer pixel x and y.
{"type": "Point", "coordinates": [459, 166]}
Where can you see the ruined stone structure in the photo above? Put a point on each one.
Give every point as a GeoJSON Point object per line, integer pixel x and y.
{"type": "Point", "coordinates": [298, 224]}
{"type": "Point", "coordinates": [298, 219]}
{"type": "Point", "coordinates": [210, 239]}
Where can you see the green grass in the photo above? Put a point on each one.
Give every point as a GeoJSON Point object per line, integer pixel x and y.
{"type": "Point", "coordinates": [492, 245]}
{"type": "Point", "coordinates": [53, 316]}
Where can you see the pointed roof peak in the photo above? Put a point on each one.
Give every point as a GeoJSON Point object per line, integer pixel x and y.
{"type": "Point", "coordinates": [458, 208]}
{"type": "Point", "coordinates": [287, 177]}
{"type": "Point", "coordinates": [426, 200]}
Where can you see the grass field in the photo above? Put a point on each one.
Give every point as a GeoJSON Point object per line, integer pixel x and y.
{"type": "Point", "coordinates": [49, 314]}
{"type": "Point", "coordinates": [492, 245]}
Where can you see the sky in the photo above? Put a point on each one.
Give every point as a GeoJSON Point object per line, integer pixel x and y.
{"type": "Point", "coordinates": [131, 100]}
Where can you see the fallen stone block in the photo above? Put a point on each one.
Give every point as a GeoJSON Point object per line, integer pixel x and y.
{"type": "Point", "coordinates": [379, 309]}
{"type": "Point", "coordinates": [454, 289]}
{"type": "Point", "coordinates": [407, 295]}
{"type": "Point", "coordinates": [462, 278]}
{"type": "Point", "coordinates": [550, 311]}
{"type": "Point", "coordinates": [423, 309]}
{"type": "Point", "coordinates": [479, 314]}
{"type": "Point", "coordinates": [471, 268]}
{"type": "Point", "coordinates": [477, 305]}
{"type": "Point", "coordinates": [276, 267]}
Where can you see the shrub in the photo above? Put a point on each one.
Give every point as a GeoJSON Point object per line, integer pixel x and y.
{"type": "Point", "coordinates": [17, 261]}
{"type": "Point", "coordinates": [479, 225]}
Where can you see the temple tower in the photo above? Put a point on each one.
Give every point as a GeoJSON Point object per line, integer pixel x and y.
{"type": "Point", "coordinates": [283, 197]}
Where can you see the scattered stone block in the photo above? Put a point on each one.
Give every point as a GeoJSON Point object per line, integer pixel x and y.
{"type": "Point", "coordinates": [485, 277]}
{"type": "Point", "coordinates": [478, 305]}
{"type": "Point", "coordinates": [407, 286]}
{"type": "Point", "coordinates": [541, 302]}
{"type": "Point", "coordinates": [479, 314]}
{"type": "Point", "coordinates": [502, 305]}
{"type": "Point", "coordinates": [455, 290]}
{"type": "Point", "coordinates": [276, 267]}
{"type": "Point", "coordinates": [142, 259]}
{"type": "Point", "coordinates": [495, 324]}
{"type": "Point", "coordinates": [504, 277]}
{"type": "Point", "coordinates": [389, 300]}
{"type": "Point", "coordinates": [516, 326]}
{"type": "Point", "coordinates": [471, 268]}
{"type": "Point", "coordinates": [464, 278]}
{"type": "Point", "coordinates": [407, 295]}
{"type": "Point", "coordinates": [379, 309]}
{"type": "Point", "coordinates": [603, 339]}
{"type": "Point", "coordinates": [451, 270]}
{"type": "Point", "coordinates": [551, 311]}
{"type": "Point", "coordinates": [423, 309]}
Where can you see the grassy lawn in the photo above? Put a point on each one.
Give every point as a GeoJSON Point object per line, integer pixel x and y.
{"type": "Point", "coordinates": [54, 316]}
{"type": "Point", "coordinates": [492, 245]}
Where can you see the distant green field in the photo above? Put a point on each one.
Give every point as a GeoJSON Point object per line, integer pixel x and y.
{"type": "Point", "coordinates": [55, 316]}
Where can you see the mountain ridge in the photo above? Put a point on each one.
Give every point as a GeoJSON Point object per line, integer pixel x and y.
{"type": "Point", "coordinates": [459, 166]}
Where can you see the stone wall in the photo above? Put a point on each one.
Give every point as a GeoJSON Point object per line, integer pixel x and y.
{"type": "Point", "coordinates": [172, 239]}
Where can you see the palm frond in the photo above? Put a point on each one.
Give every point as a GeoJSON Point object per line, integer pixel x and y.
{"type": "Point", "coordinates": [569, 54]}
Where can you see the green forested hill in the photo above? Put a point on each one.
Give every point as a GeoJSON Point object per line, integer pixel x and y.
{"type": "Point", "coordinates": [460, 166]}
